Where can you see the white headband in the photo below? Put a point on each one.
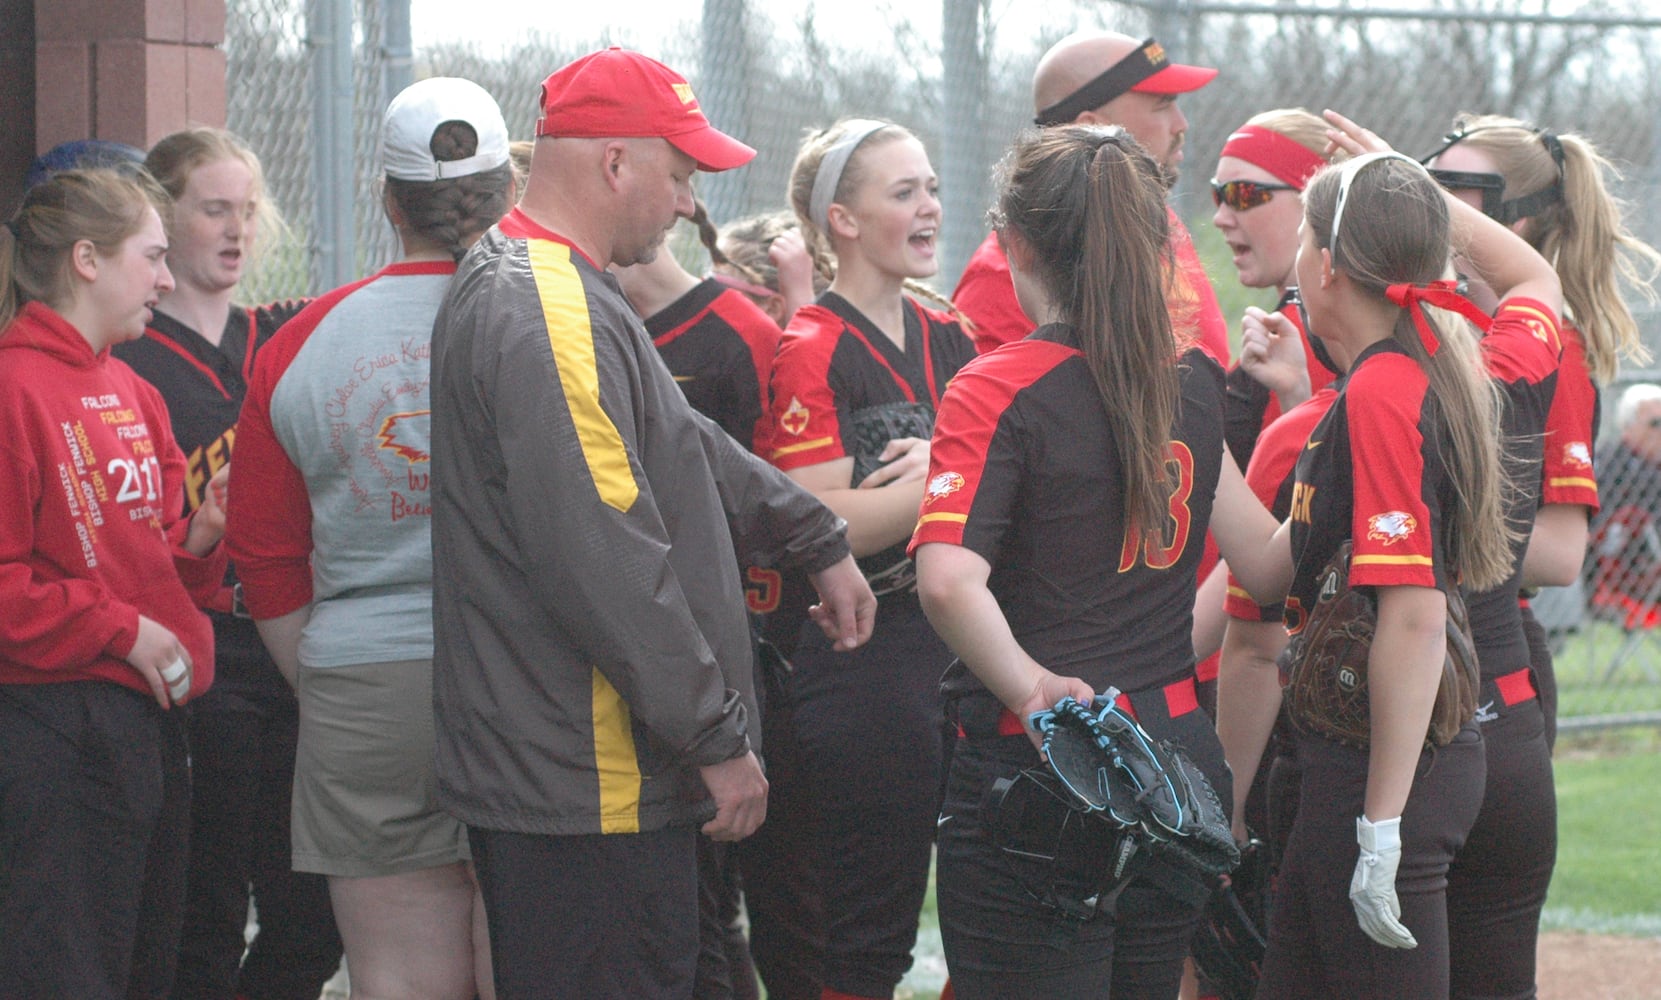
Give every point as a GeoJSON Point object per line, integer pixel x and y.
{"type": "Point", "coordinates": [1346, 176]}
{"type": "Point", "coordinates": [831, 166]}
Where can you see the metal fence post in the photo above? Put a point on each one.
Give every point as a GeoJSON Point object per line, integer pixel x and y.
{"type": "Point", "coordinates": [963, 153]}
{"type": "Point", "coordinates": [329, 36]}
{"type": "Point", "coordinates": [397, 50]}
{"type": "Point", "coordinates": [724, 86]}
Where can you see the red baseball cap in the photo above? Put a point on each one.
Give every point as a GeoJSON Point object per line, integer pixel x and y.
{"type": "Point", "coordinates": [616, 93]}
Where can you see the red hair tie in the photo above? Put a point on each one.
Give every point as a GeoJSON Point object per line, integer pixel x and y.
{"type": "Point", "coordinates": [1442, 295]}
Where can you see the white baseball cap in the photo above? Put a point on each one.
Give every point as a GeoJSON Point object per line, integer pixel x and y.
{"type": "Point", "coordinates": [417, 112]}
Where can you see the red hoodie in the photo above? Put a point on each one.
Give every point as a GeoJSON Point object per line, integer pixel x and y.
{"type": "Point", "coordinates": [91, 526]}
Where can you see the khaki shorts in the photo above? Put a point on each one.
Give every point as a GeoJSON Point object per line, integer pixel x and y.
{"type": "Point", "coordinates": [365, 795]}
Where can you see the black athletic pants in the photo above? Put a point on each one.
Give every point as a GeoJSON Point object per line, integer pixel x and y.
{"type": "Point", "coordinates": [94, 824]}
{"type": "Point", "coordinates": [1497, 885]}
{"type": "Point", "coordinates": [591, 917]}
{"type": "Point", "coordinates": [725, 971]}
{"type": "Point", "coordinates": [781, 882]}
{"type": "Point", "coordinates": [1316, 948]}
{"type": "Point", "coordinates": [868, 725]}
{"type": "Point", "coordinates": [242, 769]}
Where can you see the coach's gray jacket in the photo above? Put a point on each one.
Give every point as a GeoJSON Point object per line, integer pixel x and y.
{"type": "Point", "coordinates": [591, 644]}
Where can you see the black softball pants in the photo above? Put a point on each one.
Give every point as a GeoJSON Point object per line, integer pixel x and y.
{"type": "Point", "coordinates": [242, 769]}
{"type": "Point", "coordinates": [869, 732]}
{"type": "Point", "coordinates": [94, 828]}
{"type": "Point", "coordinates": [1497, 885]}
{"type": "Point", "coordinates": [1316, 948]}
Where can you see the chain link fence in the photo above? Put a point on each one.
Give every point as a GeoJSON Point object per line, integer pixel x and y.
{"type": "Point", "coordinates": [959, 75]}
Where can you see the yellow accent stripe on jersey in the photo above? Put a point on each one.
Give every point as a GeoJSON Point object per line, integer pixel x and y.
{"type": "Point", "coordinates": [943, 516]}
{"type": "Point", "coordinates": [615, 763]}
{"type": "Point", "coordinates": [791, 449]}
{"type": "Point", "coordinates": [1390, 561]}
{"type": "Point", "coordinates": [571, 338]}
{"type": "Point", "coordinates": [1546, 318]}
{"type": "Point", "coordinates": [1241, 593]}
{"type": "Point", "coordinates": [1589, 484]}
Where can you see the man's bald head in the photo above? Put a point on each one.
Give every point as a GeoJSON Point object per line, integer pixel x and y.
{"type": "Point", "coordinates": [1075, 61]}
{"type": "Point", "coordinates": [1105, 78]}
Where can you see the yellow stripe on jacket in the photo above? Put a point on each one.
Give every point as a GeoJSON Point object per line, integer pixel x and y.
{"type": "Point", "coordinates": [571, 338]}
{"type": "Point", "coordinates": [615, 763]}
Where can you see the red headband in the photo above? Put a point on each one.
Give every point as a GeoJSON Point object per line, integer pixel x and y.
{"type": "Point", "coordinates": [1442, 295]}
{"type": "Point", "coordinates": [1288, 159]}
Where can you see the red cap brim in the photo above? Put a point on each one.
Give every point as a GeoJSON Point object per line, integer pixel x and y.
{"type": "Point", "coordinates": [714, 150]}
{"type": "Point", "coordinates": [1176, 79]}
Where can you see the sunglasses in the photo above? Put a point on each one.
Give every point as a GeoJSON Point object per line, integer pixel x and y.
{"type": "Point", "coordinates": [1241, 195]}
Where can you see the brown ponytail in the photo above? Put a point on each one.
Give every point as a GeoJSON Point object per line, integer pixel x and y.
{"type": "Point", "coordinates": [453, 213]}
{"type": "Point", "coordinates": [1090, 204]}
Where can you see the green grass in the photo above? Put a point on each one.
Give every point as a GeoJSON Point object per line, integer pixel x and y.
{"type": "Point", "coordinates": [1608, 832]}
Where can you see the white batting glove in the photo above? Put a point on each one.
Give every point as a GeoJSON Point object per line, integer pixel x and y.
{"type": "Point", "coordinates": [1373, 887]}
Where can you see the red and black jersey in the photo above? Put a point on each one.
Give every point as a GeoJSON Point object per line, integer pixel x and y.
{"type": "Point", "coordinates": [1251, 407]}
{"type": "Point", "coordinates": [203, 383]}
{"type": "Point", "coordinates": [841, 388]}
{"type": "Point", "coordinates": [833, 362]}
{"type": "Point", "coordinates": [1571, 427]}
{"type": "Point", "coordinates": [204, 386]}
{"type": "Point", "coordinates": [719, 345]}
{"type": "Point", "coordinates": [1024, 471]}
{"type": "Point", "coordinates": [1521, 351]}
{"type": "Point", "coordinates": [1271, 477]}
{"type": "Point", "coordinates": [1372, 471]}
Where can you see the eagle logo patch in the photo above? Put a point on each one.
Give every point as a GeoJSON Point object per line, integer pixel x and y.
{"type": "Point", "coordinates": [795, 417]}
{"type": "Point", "coordinates": [941, 486]}
{"type": "Point", "coordinates": [1391, 526]}
{"type": "Point", "coordinates": [1576, 453]}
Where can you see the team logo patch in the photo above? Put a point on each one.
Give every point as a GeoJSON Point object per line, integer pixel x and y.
{"type": "Point", "coordinates": [1576, 453]}
{"type": "Point", "coordinates": [795, 417]}
{"type": "Point", "coordinates": [1541, 333]}
{"type": "Point", "coordinates": [941, 486]}
{"type": "Point", "coordinates": [1391, 526]}
{"type": "Point", "coordinates": [684, 92]}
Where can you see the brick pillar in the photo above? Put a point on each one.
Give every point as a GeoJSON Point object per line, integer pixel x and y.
{"type": "Point", "coordinates": [128, 70]}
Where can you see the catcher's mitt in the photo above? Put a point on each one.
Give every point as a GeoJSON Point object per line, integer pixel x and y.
{"type": "Point", "coordinates": [867, 433]}
{"type": "Point", "coordinates": [1112, 766]}
{"type": "Point", "coordinates": [1325, 663]}
{"type": "Point", "coordinates": [1230, 942]}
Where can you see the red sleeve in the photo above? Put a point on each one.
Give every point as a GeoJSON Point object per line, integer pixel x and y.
{"type": "Point", "coordinates": [1392, 527]}
{"type": "Point", "coordinates": [986, 295]}
{"type": "Point", "coordinates": [967, 474]}
{"type": "Point", "coordinates": [805, 429]}
{"type": "Point", "coordinates": [1567, 473]}
{"type": "Point", "coordinates": [269, 527]}
{"type": "Point", "coordinates": [1524, 342]}
{"type": "Point", "coordinates": [1195, 313]}
{"type": "Point", "coordinates": [761, 335]}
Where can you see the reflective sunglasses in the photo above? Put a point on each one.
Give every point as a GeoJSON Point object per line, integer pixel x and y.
{"type": "Point", "coordinates": [1241, 195]}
